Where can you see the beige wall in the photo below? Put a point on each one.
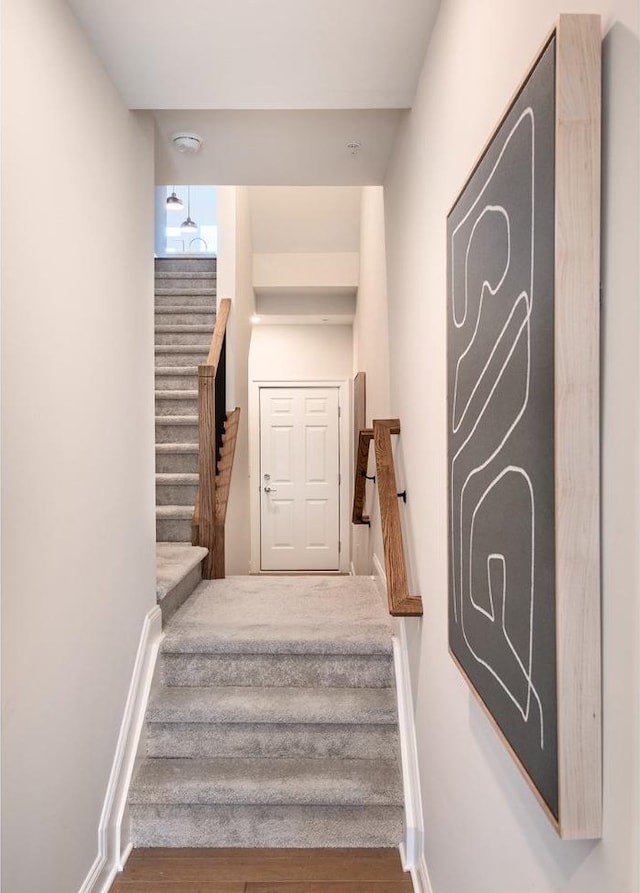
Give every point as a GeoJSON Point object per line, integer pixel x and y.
{"type": "Point", "coordinates": [235, 281]}
{"type": "Point", "coordinates": [78, 534]}
{"type": "Point", "coordinates": [299, 353]}
{"type": "Point", "coordinates": [371, 355]}
{"type": "Point", "coordinates": [484, 831]}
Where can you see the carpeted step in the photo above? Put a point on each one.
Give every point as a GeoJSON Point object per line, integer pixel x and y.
{"type": "Point", "coordinates": [273, 705]}
{"type": "Point", "coordinates": [309, 723]}
{"type": "Point", "coordinates": [185, 264]}
{"type": "Point", "coordinates": [296, 740]}
{"type": "Point", "coordinates": [157, 825]}
{"type": "Point", "coordinates": [176, 298]}
{"type": "Point", "coordinates": [173, 523]}
{"type": "Point", "coordinates": [180, 275]}
{"type": "Point", "coordinates": [174, 290]}
{"type": "Point", "coordinates": [244, 668]}
{"type": "Point", "coordinates": [177, 429]}
{"type": "Point", "coordinates": [177, 403]}
{"type": "Point", "coordinates": [176, 489]}
{"type": "Point", "coordinates": [176, 458]}
{"type": "Point", "coordinates": [188, 316]}
{"type": "Point", "coordinates": [181, 354]}
{"type": "Point", "coordinates": [285, 617]}
{"type": "Point", "coordinates": [178, 572]}
{"type": "Point", "coordinates": [254, 781]}
{"type": "Point", "coordinates": [176, 378]}
{"type": "Point", "coordinates": [181, 334]}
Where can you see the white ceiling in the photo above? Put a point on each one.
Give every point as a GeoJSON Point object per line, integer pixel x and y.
{"type": "Point", "coordinates": [285, 148]}
{"type": "Point", "coordinates": [254, 54]}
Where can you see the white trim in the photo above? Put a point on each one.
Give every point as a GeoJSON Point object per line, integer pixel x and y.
{"type": "Point", "coordinates": [413, 822]}
{"type": "Point", "coordinates": [254, 461]}
{"type": "Point", "coordinates": [420, 877]}
{"type": "Point", "coordinates": [412, 848]}
{"type": "Point", "coordinates": [112, 851]}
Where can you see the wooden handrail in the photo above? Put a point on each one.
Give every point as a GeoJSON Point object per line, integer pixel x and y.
{"type": "Point", "coordinates": [219, 331]}
{"type": "Point", "coordinates": [365, 436]}
{"type": "Point", "coordinates": [209, 514]}
{"type": "Point", "coordinates": [401, 604]}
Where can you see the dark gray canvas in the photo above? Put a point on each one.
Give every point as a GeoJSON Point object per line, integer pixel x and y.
{"type": "Point", "coordinates": [500, 269]}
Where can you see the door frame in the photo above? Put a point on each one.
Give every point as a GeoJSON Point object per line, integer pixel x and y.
{"type": "Point", "coordinates": [344, 429]}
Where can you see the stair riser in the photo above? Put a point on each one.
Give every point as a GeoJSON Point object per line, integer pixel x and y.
{"type": "Point", "coordinates": [206, 301]}
{"type": "Point", "coordinates": [176, 463]}
{"type": "Point", "coordinates": [182, 358]}
{"type": "Point", "coordinates": [176, 406]}
{"type": "Point", "coordinates": [177, 433]}
{"type": "Point", "coordinates": [199, 338]}
{"type": "Point", "coordinates": [185, 264]}
{"type": "Point", "coordinates": [176, 382]}
{"type": "Point", "coordinates": [336, 671]}
{"type": "Point", "coordinates": [184, 318]}
{"type": "Point", "coordinates": [173, 494]}
{"type": "Point", "coordinates": [265, 826]}
{"type": "Point", "coordinates": [282, 740]}
{"type": "Point", "coordinates": [173, 531]}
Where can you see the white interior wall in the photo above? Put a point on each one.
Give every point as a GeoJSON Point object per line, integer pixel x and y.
{"type": "Point", "coordinates": [299, 353]}
{"type": "Point", "coordinates": [78, 526]}
{"type": "Point", "coordinates": [235, 281]}
{"type": "Point", "coordinates": [371, 355]}
{"type": "Point", "coordinates": [483, 828]}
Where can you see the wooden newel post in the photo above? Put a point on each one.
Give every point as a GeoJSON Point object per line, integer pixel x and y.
{"type": "Point", "coordinates": [205, 510]}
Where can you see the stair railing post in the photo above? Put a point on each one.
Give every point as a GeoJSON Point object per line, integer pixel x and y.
{"type": "Point", "coordinates": [207, 466]}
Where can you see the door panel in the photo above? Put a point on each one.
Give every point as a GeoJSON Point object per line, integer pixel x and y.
{"type": "Point", "coordinates": [299, 479]}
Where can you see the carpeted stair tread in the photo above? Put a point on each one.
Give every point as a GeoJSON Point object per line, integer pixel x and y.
{"type": "Point", "coordinates": [260, 615]}
{"type": "Point", "coordinates": [188, 740]}
{"type": "Point", "coordinates": [336, 782]}
{"type": "Point", "coordinates": [174, 562]}
{"type": "Point", "coordinates": [181, 327]}
{"type": "Point", "coordinates": [176, 370]}
{"type": "Point", "coordinates": [273, 705]}
{"type": "Point", "coordinates": [181, 274]}
{"type": "Point", "coordinates": [177, 478]}
{"type": "Point", "coordinates": [327, 670]}
{"type": "Point", "coordinates": [177, 395]}
{"type": "Point", "coordinates": [266, 826]}
{"type": "Point", "coordinates": [174, 512]}
{"type": "Point", "coordinates": [176, 420]}
{"type": "Point", "coordinates": [176, 290]}
{"type": "Point", "coordinates": [177, 448]}
{"type": "Point", "coordinates": [181, 348]}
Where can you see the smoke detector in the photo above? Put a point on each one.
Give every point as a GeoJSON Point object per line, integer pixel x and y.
{"type": "Point", "coordinates": [189, 143]}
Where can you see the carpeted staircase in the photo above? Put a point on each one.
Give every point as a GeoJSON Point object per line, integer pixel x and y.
{"type": "Point", "coordinates": [274, 723]}
{"type": "Point", "coordinates": [185, 302]}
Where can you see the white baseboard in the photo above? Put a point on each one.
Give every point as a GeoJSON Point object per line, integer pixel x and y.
{"type": "Point", "coordinates": [411, 851]}
{"type": "Point", "coordinates": [420, 877]}
{"type": "Point", "coordinates": [112, 850]}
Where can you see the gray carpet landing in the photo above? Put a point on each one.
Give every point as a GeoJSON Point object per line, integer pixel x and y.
{"type": "Point", "coordinates": [275, 720]}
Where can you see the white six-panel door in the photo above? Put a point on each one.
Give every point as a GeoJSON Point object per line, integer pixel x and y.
{"type": "Point", "coordinates": [299, 479]}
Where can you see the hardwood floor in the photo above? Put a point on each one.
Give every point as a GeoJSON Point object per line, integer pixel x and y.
{"type": "Point", "coordinates": [263, 871]}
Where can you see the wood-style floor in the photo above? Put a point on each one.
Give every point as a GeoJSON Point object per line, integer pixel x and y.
{"type": "Point", "coordinates": [263, 871]}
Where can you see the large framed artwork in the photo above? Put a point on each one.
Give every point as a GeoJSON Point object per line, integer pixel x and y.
{"type": "Point", "coordinates": [523, 428]}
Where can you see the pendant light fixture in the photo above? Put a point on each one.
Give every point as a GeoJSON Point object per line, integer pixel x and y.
{"type": "Point", "coordinates": [188, 225]}
{"type": "Point", "coordinates": [173, 202]}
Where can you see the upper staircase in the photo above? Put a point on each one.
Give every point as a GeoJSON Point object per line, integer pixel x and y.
{"type": "Point", "coordinates": [185, 314]}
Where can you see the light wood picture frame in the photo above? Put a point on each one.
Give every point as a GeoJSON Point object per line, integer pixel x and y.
{"type": "Point", "coordinates": [523, 301]}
